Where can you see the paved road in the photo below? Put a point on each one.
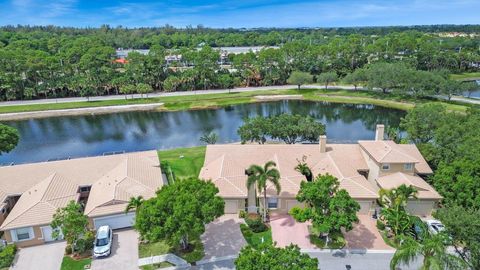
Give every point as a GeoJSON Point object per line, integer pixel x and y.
{"type": "Point", "coordinates": [328, 261]}
{"type": "Point", "coordinates": [163, 94]}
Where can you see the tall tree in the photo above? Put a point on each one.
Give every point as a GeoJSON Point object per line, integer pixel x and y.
{"type": "Point", "coordinates": [262, 176]}
{"type": "Point", "coordinates": [134, 204]}
{"type": "Point", "coordinates": [433, 249]}
{"type": "Point", "coordinates": [9, 138]}
{"type": "Point", "coordinates": [71, 222]}
{"type": "Point", "coordinates": [300, 78]}
{"type": "Point", "coordinates": [328, 207]}
{"type": "Point", "coordinates": [179, 212]}
{"type": "Point", "coordinates": [327, 78]}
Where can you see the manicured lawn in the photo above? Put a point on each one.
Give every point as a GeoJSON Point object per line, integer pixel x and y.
{"type": "Point", "coordinates": [466, 75]}
{"type": "Point", "coordinates": [193, 254]}
{"type": "Point", "coordinates": [184, 162]}
{"type": "Point", "coordinates": [156, 266]}
{"type": "Point", "coordinates": [201, 101]}
{"type": "Point", "coordinates": [256, 239]}
{"type": "Point", "coordinates": [153, 249]}
{"type": "Point", "coordinates": [337, 240]}
{"type": "Point", "coordinates": [71, 264]}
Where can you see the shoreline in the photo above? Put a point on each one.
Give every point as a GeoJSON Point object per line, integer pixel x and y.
{"type": "Point", "coordinates": [79, 111]}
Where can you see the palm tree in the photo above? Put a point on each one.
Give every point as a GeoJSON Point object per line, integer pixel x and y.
{"type": "Point", "coordinates": [399, 196]}
{"type": "Point", "coordinates": [134, 203]}
{"type": "Point", "coordinates": [261, 176]}
{"type": "Point", "coordinates": [433, 249]}
{"type": "Point", "coordinates": [302, 167]}
{"type": "Point", "coordinates": [393, 213]}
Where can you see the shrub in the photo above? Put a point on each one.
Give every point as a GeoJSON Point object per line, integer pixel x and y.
{"type": "Point", "coordinates": [246, 231]}
{"type": "Point", "coordinates": [242, 214]}
{"type": "Point", "coordinates": [7, 255]}
{"type": "Point", "coordinates": [256, 224]}
{"type": "Point", "coordinates": [68, 250]}
{"type": "Point", "coordinates": [380, 225]}
{"type": "Point", "coordinates": [85, 243]}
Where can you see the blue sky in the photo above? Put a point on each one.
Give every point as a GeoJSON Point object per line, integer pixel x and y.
{"type": "Point", "coordinates": [239, 13]}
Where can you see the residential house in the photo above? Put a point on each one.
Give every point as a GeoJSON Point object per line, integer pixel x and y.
{"type": "Point", "coordinates": [32, 193]}
{"type": "Point", "coordinates": [362, 169]}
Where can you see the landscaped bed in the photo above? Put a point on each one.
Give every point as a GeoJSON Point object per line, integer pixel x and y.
{"type": "Point", "coordinates": [193, 254]}
{"type": "Point", "coordinates": [336, 239]}
{"type": "Point", "coordinates": [256, 239]}
{"type": "Point", "coordinates": [68, 263]}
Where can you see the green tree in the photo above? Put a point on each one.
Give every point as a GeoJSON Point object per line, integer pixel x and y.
{"type": "Point", "coordinates": [463, 226]}
{"type": "Point", "coordinates": [71, 222]}
{"type": "Point", "coordinates": [261, 176]}
{"type": "Point", "coordinates": [144, 88]}
{"type": "Point", "coordinates": [209, 137]}
{"type": "Point", "coordinates": [433, 249]}
{"type": "Point", "coordinates": [255, 129]}
{"type": "Point", "coordinates": [274, 258]}
{"type": "Point", "coordinates": [327, 78]}
{"type": "Point", "coordinates": [328, 207]}
{"type": "Point", "coordinates": [421, 122]}
{"type": "Point", "coordinates": [128, 89]}
{"type": "Point", "coordinates": [356, 77]}
{"type": "Point", "coordinates": [9, 138]}
{"type": "Point", "coordinates": [470, 87]}
{"type": "Point", "coordinates": [303, 168]}
{"type": "Point", "coordinates": [450, 88]}
{"type": "Point", "coordinates": [179, 212]}
{"type": "Point", "coordinates": [295, 128]}
{"type": "Point", "coordinates": [300, 78]}
{"type": "Point", "coordinates": [393, 213]}
{"type": "Point", "coordinates": [386, 76]}
{"type": "Point", "coordinates": [134, 203]}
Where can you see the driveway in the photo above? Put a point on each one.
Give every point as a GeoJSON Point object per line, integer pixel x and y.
{"type": "Point", "coordinates": [365, 235]}
{"type": "Point", "coordinates": [223, 237]}
{"type": "Point", "coordinates": [48, 256]}
{"type": "Point", "coordinates": [124, 252]}
{"type": "Point", "coordinates": [286, 231]}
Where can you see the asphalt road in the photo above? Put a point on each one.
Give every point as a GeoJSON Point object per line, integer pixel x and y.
{"type": "Point", "coordinates": [328, 261]}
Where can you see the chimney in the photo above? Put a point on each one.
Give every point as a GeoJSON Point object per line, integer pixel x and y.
{"type": "Point", "coordinates": [322, 142]}
{"type": "Point", "coordinates": [379, 133]}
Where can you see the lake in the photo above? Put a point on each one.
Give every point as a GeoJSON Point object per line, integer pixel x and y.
{"type": "Point", "coordinates": [90, 135]}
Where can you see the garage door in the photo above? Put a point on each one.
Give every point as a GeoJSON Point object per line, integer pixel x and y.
{"type": "Point", "coordinates": [231, 206]}
{"type": "Point", "coordinates": [365, 207]}
{"type": "Point", "coordinates": [420, 208]}
{"type": "Point", "coordinates": [47, 232]}
{"type": "Point", "coordinates": [116, 222]}
{"type": "Point", "coordinates": [293, 203]}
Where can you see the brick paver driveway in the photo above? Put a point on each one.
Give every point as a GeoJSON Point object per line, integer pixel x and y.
{"type": "Point", "coordinates": [223, 237]}
{"type": "Point", "coordinates": [124, 252]}
{"type": "Point", "coordinates": [48, 256]}
{"type": "Point", "coordinates": [365, 235]}
{"type": "Point", "coordinates": [286, 231]}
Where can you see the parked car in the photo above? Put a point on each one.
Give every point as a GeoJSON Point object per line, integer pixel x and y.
{"type": "Point", "coordinates": [435, 226]}
{"type": "Point", "coordinates": [103, 242]}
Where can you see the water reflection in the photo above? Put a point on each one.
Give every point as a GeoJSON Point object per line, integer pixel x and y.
{"type": "Point", "coordinates": [76, 136]}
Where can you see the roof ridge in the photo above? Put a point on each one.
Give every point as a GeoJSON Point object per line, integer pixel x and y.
{"type": "Point", "coordinates": [388, 152]}
{"type": "Point", "coordinates": [235, 186]}
{"type": "Point", "coordinates": [23, 212]}
{"type": "Point", "coordinates": [335, 165]}
{"type": "Point", "coordinates": [360, 185]}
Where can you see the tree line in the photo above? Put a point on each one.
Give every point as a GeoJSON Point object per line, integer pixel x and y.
{"type": "Point", "coordinates": [63, 62]}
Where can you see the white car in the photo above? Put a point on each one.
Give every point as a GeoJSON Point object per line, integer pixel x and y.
{"type": "Point", "coordinates": [435, 226]}
{"type": "Point", "coordinates": [103, 242]}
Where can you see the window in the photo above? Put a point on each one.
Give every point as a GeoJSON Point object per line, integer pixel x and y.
{"type": "Point", "coordinates": [23, 234]}
{"type": "Point", "coordinates": [385, 166]}
{"type": "Point", "coordinates": [272, 202]}
{"type": "Point", "coordinates": [408, 166]}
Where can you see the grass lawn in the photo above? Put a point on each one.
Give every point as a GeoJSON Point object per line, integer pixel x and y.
{"type": "Point", "coordinates": [255, 239]}
{"type": "Point", "coordinates": [193, 254]}
{"type": "Point", "coordinates": [70, 264]}
{"type": "Point", "coordinates": [336, 239]}
{"type": "Point", "coordinates": [156, 266]}
{"type": "Point", "coordinates": [173, 103]}
{"type": "Point", "coordinates": [189, 165]}
{"type": "Point", "coordinates": [466, 75]}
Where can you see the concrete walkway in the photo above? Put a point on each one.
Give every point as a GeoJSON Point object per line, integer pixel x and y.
{"type": "Point", "coordinates": [286, 231]}
{"type": "Point", "coordinates": [47, 256]}
{"type": "Point", "coordinates": [171, 258]}
{"type": "Point", "coordinates": [223, 237]}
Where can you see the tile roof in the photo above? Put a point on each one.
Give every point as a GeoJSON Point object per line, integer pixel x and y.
{"type": "Point", "coordinates": [425, 191]}
{"type": "Point", "coordinates": [387, 152]}
{"type": "Point", "coordinates": [225, 165]}
{"type": "Point", "coordinates": [46, 186]}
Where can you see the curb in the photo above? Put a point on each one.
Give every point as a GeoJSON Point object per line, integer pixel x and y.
{"type": "Point", "coordinates": [349, 251]}
{"type": "Point", "coordinates": [216, 259]}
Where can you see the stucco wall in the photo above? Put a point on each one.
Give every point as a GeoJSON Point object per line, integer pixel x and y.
{"type": "Point", "coordinates": [37, 240]}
